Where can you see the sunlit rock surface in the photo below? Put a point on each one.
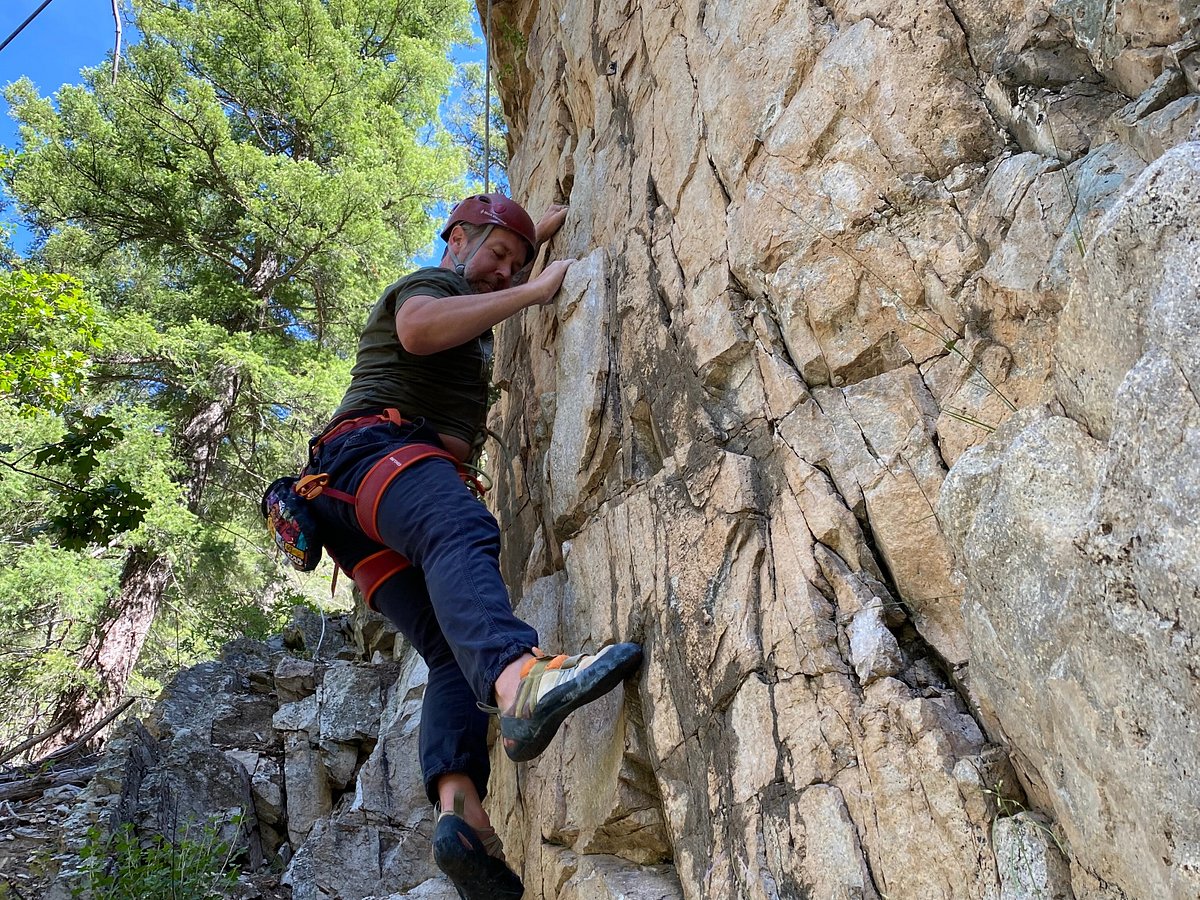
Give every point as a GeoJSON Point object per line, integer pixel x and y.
{"type": "Point", "coordinates": [880, 386]}
{"type": "Point", "coordinates": [870, 410]}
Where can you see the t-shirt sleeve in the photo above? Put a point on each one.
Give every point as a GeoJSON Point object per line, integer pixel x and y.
{"type": "Point", "coordinates": [428, 283]}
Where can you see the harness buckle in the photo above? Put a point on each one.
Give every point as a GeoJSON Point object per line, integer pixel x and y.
{"type": "Point", "coordinates": [310, 486]}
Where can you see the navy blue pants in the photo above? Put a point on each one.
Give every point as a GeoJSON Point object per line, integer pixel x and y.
{"type": "Point", "coordinates": [451, 604]}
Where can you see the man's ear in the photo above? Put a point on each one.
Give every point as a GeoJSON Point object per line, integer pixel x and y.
{"type": "Point", "coordinates": [457, 240]}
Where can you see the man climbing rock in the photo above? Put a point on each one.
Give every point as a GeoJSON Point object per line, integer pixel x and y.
{"type": "Point", "coordinates": [396, 514]}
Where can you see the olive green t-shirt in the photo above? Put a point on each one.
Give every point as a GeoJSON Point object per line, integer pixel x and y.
{"type": "Point", "coordinates": [448, 389]}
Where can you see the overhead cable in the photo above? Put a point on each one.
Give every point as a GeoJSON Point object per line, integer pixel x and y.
{"type": "Point", "coordinates": [21, 27]}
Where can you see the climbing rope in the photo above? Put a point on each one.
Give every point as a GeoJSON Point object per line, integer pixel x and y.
{"type": "Point", "coordinates": [33, 15]}
{"type": "Point", "coordinates": [487, 99]}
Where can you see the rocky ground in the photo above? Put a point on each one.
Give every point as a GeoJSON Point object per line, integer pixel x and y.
{"type": "Point", "coordinates": [279, 744]}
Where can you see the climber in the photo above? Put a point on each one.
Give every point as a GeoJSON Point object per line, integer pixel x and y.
{"type": "Point", "coordinates": [423, 550]}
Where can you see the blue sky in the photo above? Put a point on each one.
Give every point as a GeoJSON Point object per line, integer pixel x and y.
{"type": "Point", "coordinates": [67, 36]}
{"type": "Point", "coordinates": [70, 35]}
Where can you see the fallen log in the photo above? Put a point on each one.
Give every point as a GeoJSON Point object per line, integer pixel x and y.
{"type": "Point", "coordinates": [28, 788]}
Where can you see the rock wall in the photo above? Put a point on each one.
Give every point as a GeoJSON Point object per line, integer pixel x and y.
{"type": "Point", "coordinates": [870, 409]}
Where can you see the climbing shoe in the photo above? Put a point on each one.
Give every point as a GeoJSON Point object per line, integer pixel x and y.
{"type": "Point", "coordinates": [551, 687]}
{"type": "Point", "coordinates": [473, 859]}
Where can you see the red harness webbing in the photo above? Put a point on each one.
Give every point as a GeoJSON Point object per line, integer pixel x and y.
{"type": "Point", "coordinates": [373, 571]}
{"type": "Point", "coordinates": [377, 568]}
{"type": "Point", "coordinates": [375, 482]}
{"type": "Point", "coordinates": [389, 415]}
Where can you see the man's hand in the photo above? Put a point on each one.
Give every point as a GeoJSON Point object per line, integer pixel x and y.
{"type": "Point", "coordinates": [550, 222]}
{"type": "Point", "coordinates": [550, 280]}
{"type": "Point", "coordinates": [426, 324]}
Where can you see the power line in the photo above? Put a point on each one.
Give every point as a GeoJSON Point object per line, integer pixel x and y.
{"type": "Point", "coordinates": [21, 27]}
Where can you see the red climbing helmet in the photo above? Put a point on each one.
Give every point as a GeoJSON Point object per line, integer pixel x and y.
{"type": "Point", "coordinates": [494, 209]}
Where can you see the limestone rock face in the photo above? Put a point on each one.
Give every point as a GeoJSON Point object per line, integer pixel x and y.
{"type": "Point", "coordinates": [1030, 859]}
{"type": "Point", "coordinates": [869, 410]}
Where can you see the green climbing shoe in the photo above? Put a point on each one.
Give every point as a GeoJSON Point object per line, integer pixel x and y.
{"type": "Point", "coordinates": [551, 687]}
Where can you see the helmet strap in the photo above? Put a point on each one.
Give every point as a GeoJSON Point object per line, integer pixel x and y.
{"type": "Point", "coordinates": [460, 267]}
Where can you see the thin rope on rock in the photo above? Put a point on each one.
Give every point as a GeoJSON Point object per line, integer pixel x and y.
{"type": "Point", "coordinates": [487, 99]}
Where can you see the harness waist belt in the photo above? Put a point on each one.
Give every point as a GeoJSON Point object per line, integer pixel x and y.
{"type": "Point", "coordinates": [337, 430]}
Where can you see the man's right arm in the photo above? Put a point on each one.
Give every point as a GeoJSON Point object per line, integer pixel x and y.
{"type": "Point", "coordinates": [426, 324]}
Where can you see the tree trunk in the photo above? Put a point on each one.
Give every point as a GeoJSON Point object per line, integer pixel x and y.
{"type": "Point", "coordinates": [203, 433]}
{"type": "Point", "coordinates": [115, 646]}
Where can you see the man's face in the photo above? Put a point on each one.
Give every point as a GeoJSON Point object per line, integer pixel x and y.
{"type": "Point", "coordinates": [495, 263]}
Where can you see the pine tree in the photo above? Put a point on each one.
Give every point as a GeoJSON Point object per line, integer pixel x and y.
{"type": "Point", "coordinates": [233, 204]}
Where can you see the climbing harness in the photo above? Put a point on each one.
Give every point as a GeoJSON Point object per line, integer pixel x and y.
{"type": "Point", "coordinates": [285, 505]}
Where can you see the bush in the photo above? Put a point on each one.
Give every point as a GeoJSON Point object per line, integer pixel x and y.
{"type": "Point", "coordinates": [121, 866]}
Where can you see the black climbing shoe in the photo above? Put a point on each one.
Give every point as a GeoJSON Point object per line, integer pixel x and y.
{"type": "Point", "coordinates": [473, 860]}
{"type": "Point", "coordinates": [552, 687]}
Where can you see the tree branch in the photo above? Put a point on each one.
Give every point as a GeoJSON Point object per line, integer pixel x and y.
{"type": "Point", "coordinates": [53, 481]}
{"type": "Point", "coordinates": [31, 787]}
{"type": "Point", "coordinates": [38, 738]}
{"type": "Point", "coordinates": [64, 752]}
